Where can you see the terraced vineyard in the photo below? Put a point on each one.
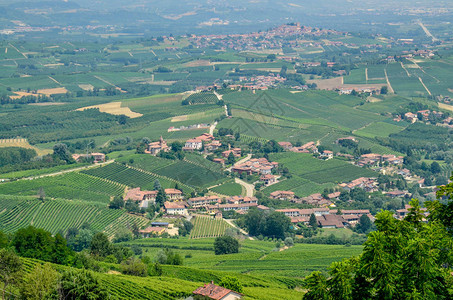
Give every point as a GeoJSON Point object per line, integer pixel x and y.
{"type": "Point", "coordinates": [202, 98]}
{"type": "Point", "coordinates": [59, 215]}
{"type": "Point", "coordinates": [132, 177]}
{"type": "Point", "coordinates": [208, 227]}
{"type": "Point", "coordinates": [68, 186]}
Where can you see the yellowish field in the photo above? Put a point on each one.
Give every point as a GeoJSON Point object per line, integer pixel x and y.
{"type": "Point", "coordinates": [86, 87]}
{"type": "Point", "coordinates": [198, 63]}
{"type": "Point", "coordinates": [22, 143]}
{"type": "Point", "coordinates": [55, 91]}
{"type": "Point", "coordinates": [445, 106]}
{"type": "Point", "coordinates": [114, 108]}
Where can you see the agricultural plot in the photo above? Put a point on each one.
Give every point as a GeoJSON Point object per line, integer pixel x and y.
{"type": "Point", "coordinates": [402, 83]}
{"type": "Point", "coordinates": [229, 189]}
{"type": "Point", "coordinates": [208, 227]}
{"type": "Point", "coordinates": [68, 186]}
{"type": "Point", "coordinates": [202, 98]}
{"type": "Point", "coordinates": [378, 129]}
{"type": "Point", "coordinates": [59, 215]}
{"type": "Point", "coordinates": [255, 258]}
{"type": "Point", "coordinates": [320, 171]}
{"type": "Point", "coordinates": [133, 177]}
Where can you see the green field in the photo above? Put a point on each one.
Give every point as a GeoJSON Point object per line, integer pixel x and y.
{"type": "Point", "coordinates": [59, 215]}
{"type": "Point", "coordinates": [229, 189]}
{"type": "Point", "coordinates": [255, 258]}
{"type": "Point", "coordinates": [208, 227]}
{"type": "Point", "coordinates": [378, 129]}
{"type": "Point", "coordinates": [69, 186]}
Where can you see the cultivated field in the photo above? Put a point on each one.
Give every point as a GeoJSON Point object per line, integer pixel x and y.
{"type": "Point", "coordinates": [208, 227]}
{"type": "Point", "coordinates": [114, 108]}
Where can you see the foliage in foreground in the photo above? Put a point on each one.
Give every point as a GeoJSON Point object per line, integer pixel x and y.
{"type": "Point", "coordinates": [406, 259]}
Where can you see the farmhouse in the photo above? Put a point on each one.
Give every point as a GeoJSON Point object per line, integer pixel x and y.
{"type": "Point", "coordinates": [331, 221]}
{"type": "Point", "coordinates": [98, 157]}
{"type": "Point", "coordinates": [286, 145]}
{"type": "Point", "coordinates": [212, 291]}
{"type": "Point", "coordinates": [151, 231]}
{"type": "Point", "coordinates": [306, 148]}
{"type": "Point", "coordinates": [155, 147]}
{"type": "Point", "coordinates": [202, 201]}
{"type": "Point", "coordinates": [212, 146]}
{"type": "Point", "coordinates": [256, 165]}
{"type": "Point", "coordinates": [368, 184]}
{"type": "Point", "coordinates": [236, 152]}
{"type": "Point", "coordinates": [144, 197]}
{"type": "Point", "coordinates": [326, 154]}
{"type": "Point", "coordinates": [219, 161]}
{"type": "Point", "coordinates": [175, 208]}
{"type": "Point", "coordinates": [174, 194]}
{"type": "Point", "coordinates": [268, 179]}
{"type": "Point", "coordinates": [282, 195]}
{"type": "Point", "coordinates": [193, 144]}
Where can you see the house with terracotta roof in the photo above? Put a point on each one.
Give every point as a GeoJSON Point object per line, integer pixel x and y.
{"type": "Point", "coordinates": [227, 207]}
{"type": "Point", "coordinates": [155, 147]}
{"type": "Point", "coordinates": [282, 195]}
{"type": "Point", "coordinates": [331, 221]}
{"type": "Point", "coordinates": [175, 208]}
{"type": "Point", "coordinates": [286, 145]}
{"type": "Point", "coordinates": [326, 155]}
{"type": "Point", "coordinates": [236, 152]}
{"type": "Point", "coordinates": [98, 157]}
{"type": "Point", "coordinates": [212, 146]}
{"type": "Point", "coordinates": [145, 198]}
{"type": "Point", "coordinates": [174, 194]}
{"type": "Point", "coordinates": [193, 144]}
{"type": "Point", "coordinates": [268, 179]}
{"type": "Point", "coordinates": [212, 291]}
{"type": "Point", "coordinates": [241, 199]}
{"type": "Point", "coordinates": [220, 161]}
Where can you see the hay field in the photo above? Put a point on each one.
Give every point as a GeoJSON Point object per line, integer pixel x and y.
{"type": "Point", "coordinates": [114, 108]}
{"type": "Point", "coordinates": [22, 143]}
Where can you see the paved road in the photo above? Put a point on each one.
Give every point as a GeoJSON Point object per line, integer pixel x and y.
{"type": "Point", "coordinates": [212, 128]}
{"type": "Point", "coordinates": [248, 187]}
{"type": "Point", "coordinates": [240, 229]}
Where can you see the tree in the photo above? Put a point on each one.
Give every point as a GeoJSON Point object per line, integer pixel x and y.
{"type": "Point", "coordinates": [157, 185]}
{"type": "Point", "coordinates": [34, 243]}
{"type": "Point", "coordinates": [364, 224]}
{"type": "Point", "coordinates": [40, 283]}
{"type": "Point", "coordinates": [384, 90]}
{"type": "Point", "coordinates": [134, 266]}
{"type": "Point", "coordinates": [61, 151]}
{"type": "Point", "coordinates": [231, 159]}
{"type": "Point", "coordinates": [277, 224]}
{"type": "Point", "coordinates": [61, 254]}
{"type": "Point", "coordinates": [100, 245]}
{"type": "Point", "coordinates": [4, 241]}
{"type": "Point", "coordinates": [117, 203]}
{"type": "Point", "coordinates": [81, 284]}
{"type": "Point", "coordinates": [313, 222]}
{"type": "Point", "coordinates": [41, 194]}
{"type": "Point", "coordinates": [122, 119]}
{"type": "Point", "coordinates": [161, 197]}
{"type": "Point", "coordinates": [10, 269]}
{"type": "Point", "coordinates": [231, 283]}
{"type": "Point", "coordinates": [435, 168]}
{"type": "Point", "coordinates": [226, 245]}
{"type": "Point", "coordinates": [289, 242]}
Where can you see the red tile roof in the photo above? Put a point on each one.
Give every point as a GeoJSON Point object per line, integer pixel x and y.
{"type": "Point", "coordinates": [212, 291]}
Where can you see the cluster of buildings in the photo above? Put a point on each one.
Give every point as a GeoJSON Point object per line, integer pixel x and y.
{"type": "Point", "coordinates": [261, 82]}
{"type": "Point", "coordinates": [368, 184]}
{"type": "Point", "coordinates": [196, 143]}
{"type": "Point", "coordinates": [421, 115]}
{"type": "Point", "coordinates": [372, 159]}
{"type": "Point", "coordinates": [326, 218]}
{"type": "Point", "coordinates": [256, 166]}
{"type": "Point", "coordinates": [291, 35]}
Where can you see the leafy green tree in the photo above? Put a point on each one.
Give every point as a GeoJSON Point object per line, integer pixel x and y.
{"type": "Point", "coordinates": [364, 224]}
{"type": "Point", "coordinates": [157, 185]}
{"type": "Point", "coordinates": [33, 243]}
{"type": "Point", "coordinates": [384, 90]}
{"type": "Point", "coordinates": [41, 283]}
{"type": "Point", "coordinates": [83, 285]}
{"type": "Point", "coordinates": [100, 245]}
{"type": "Point", "coordinates": [435, 168]}
{"type": "Point", "coordinates": [134, 266]}
{"type": "Point", "coordinates": [10, 269]}
{"type": "Point", "coordinates": [61, 151]}
{"type": "Point", "coordinates": [316, 284]}
{"type": "Point", "coordinates": [231, 159]}
{"type": "Point", "coordinates": [4, 241]}
{"type": "Point", "coordinates": [313, 222]}
{"type": "Point", "coordinates": [117, 203]}
{"type": "Point", "coordinates": [161, 197]}
{"type": "Point", "coordinates": [232, 283]}
{"type": "Point", "coordinates": [61, 254]}
{"type": "Point", "coordinates": [226, 245]}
